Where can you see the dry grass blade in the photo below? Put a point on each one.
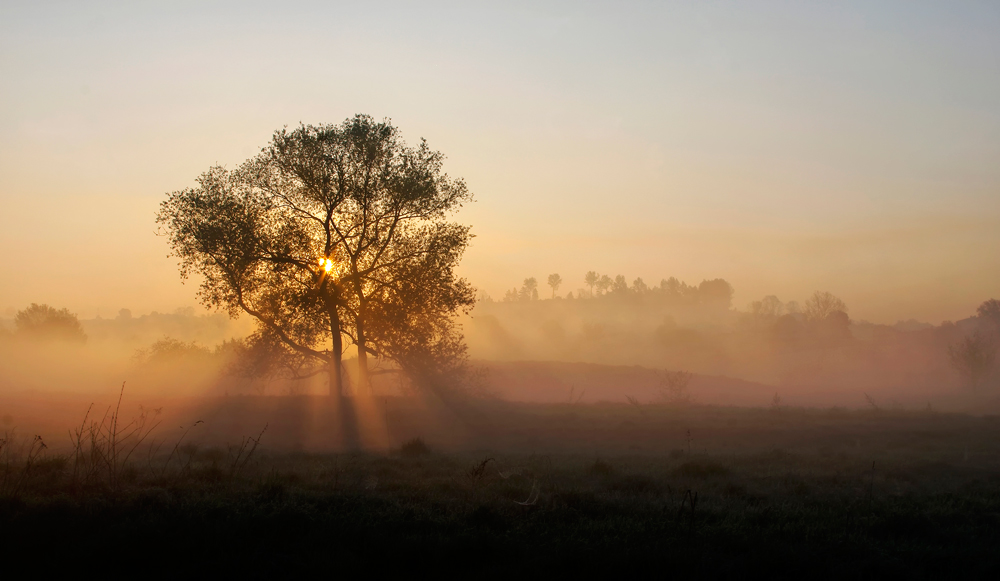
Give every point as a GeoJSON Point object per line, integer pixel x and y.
{"type": "Point", "coordinates": [532, 496]}
{"type": "Point", "coordinates": [177, 445]}
{"type": "Point", "coordinates": [14, 477]}
{"type": "Point", "coordinates": [244, 454]}
{"type": "Point", "coordinates": [477, 471]}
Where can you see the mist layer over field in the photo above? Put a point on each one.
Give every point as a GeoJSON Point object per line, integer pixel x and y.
{"type": "Point", "coordinates": [619, 347]}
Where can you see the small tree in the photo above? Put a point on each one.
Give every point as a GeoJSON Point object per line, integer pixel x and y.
{"type": "Point", "coordinates": [529, 289]}
{"type": "Point", "coordinates": [604, 283]}
{"type": "Point", "coordinates": [821, 305]}
{"type": "Point", "coordinates": [671, 286]}
{"type": "Point", "coordinates": [973, 358]}
{"type": "Point", "coordinates": [717, 292]}
{"type": "Point", "coordinates": [554, 281]}
{"type": "Point", "coordinates": [768, 308]}
{"type": "Point", "coordinates": [673, 387]}
{"type": "Point", "coordinates": [989, 313]}
{"type": "Point", "coordinates": [591, 279]}
{"type": "Point", "coordinates": [45, 322]}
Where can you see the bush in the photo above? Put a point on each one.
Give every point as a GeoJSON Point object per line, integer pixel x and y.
{"type": "Point", "coordinates": [601, 468]}
{"type": "Point", "coordinates": [414, 449]}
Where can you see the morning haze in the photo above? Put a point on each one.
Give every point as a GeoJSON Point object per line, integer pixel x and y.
{"type": "Point", "coordinates": [702, 288]}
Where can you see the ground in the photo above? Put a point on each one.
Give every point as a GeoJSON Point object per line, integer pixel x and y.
{"type": "Point", "coordinates": [540, 489]}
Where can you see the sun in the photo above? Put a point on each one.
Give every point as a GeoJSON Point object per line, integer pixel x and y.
{"type": "Point", "coordinates": [326, 264]}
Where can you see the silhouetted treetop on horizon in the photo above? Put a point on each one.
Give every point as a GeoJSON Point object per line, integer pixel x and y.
{"type": "Point", "coordinates": [716, 291]}
{"type": "Point", "coordinates": [45, 322]}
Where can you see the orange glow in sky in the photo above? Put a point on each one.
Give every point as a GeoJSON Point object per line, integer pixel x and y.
{"type": "Point", "coordinates": [786, 147]}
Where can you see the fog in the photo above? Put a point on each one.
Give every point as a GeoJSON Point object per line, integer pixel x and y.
{"type": "Point", "coordinates": [617, 345]}
{"type": "Point", "coordinates": [740, 356]}
{"type": "Point", "coordinates": [808, 189]}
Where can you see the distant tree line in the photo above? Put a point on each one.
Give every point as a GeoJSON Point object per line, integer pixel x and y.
{"type": "Point", "coordinates": [823, 317]}
{"type": "Point", "coordinates": [601, 286]}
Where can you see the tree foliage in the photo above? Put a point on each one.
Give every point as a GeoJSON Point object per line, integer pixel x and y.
{"type": "Point", "coordinates": [823, 304]}
{"type": "Point", "coordinates": [989, 313]}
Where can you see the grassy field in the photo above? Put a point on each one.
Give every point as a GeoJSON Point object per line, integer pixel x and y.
{"type": "Point", "coordinates": [536, 489]}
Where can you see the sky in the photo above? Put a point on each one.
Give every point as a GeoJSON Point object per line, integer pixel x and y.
{"type": "Point", "coordinates": [787, 147]}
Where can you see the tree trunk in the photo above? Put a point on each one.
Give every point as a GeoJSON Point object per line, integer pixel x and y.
{"type": "Point", "coordinates": [336, 355]}
{"type": "Point", "coordinates": [363, 381]}
{"type": "Point", "coordinates": [335, 371]}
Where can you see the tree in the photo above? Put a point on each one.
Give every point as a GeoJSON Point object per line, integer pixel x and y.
{"type": "Point", "coordinates": [327, 231]}
{"type": "Point", "coordinates": [619, 286]}
{"type": "Point", "coordinates": [554, 281]}
{"type": "Point", "coordinates": [604, 283]}
{"type": "Point", "coordinates": [639, 287]}
{"type": "Point", "coordinates": [717, 292]}
{"type": "Point", "coordinates": [770, 307]}
{"type": "Point", "coordinates": [973, 357]}
{"type": "Point", "coordinates": [989, 313]}
{"type": "Point", "coordinates": [673, 387]}
{"type": "Point", "coordinates": [764, 312]}
{"type": "Point", "coordinates": [821, 305]}
{"type": "Point", "coordinates": [591, 279]}
{"type": "Point", "coordinates": [529, 290]}
{"type": "Point", "coordinates": [671, 286]}
{"type": "Point", "coordinates": [45, 322]}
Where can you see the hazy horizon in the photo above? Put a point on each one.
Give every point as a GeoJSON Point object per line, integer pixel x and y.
{"type": "Point", "coordinates": [784, 147]}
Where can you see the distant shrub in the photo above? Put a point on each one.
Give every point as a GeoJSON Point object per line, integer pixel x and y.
{"type": "Point", "coordinates": [674, 387]}
{"type": "Point", "coordinates": [601, 468]}
{"type": "Point", "coordinates": [414, 448]}
{"type": "Point", "coordinates": [169, 351]}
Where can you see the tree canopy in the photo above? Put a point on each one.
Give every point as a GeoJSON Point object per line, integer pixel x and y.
{"type": "Point", "coordinates": [331, 232]}
{"type": "Point", "coordinates": [45, 322]}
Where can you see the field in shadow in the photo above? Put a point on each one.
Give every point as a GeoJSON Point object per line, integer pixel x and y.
{"type": "Point", "coordinates": [520, 489]}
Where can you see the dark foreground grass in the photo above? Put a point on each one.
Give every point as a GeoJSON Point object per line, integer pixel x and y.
{"type": "Point", "coordinates": [703, 506]}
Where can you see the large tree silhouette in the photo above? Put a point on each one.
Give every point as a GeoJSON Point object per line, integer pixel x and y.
{"type": "Point", "coordinates": [332, 231]}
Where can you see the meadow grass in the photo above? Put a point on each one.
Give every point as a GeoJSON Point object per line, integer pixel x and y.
{"type": "Point", "coordinates": [552, 489]}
